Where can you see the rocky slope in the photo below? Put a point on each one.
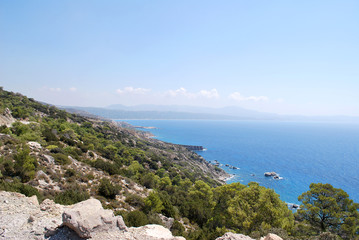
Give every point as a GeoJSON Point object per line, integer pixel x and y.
{"type": "Point", "coordinates": [23, 217]}
{"type": "Point", "coordinates": [6, 118]}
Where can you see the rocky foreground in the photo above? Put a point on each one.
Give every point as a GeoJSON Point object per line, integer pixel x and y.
{"type": "Point", "coordinates": [23, 217]}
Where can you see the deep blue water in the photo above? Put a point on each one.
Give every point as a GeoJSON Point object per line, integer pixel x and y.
{"type": "Point", "coordinates": [301, 153]}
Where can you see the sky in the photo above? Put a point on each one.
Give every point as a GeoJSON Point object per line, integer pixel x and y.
{"type": "Point", "coordinates": [286, 57]}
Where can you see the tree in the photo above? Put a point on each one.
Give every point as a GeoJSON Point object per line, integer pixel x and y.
{"type": "Point", "coordinates": [330, 209]}
{"type": "Point", "coordinates": [153, 203]}
{"type": "Point", "coordinates": [200, 202]}
{"type": "Point", "coordinates": [25, 165]}
{"type": "Point", "coordinates": [250, 208]}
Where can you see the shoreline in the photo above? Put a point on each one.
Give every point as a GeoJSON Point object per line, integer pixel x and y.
{"type": "Point", "coordinates": [227, 176]}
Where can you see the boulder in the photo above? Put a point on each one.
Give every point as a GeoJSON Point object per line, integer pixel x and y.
{"type": "Point", "coordinates": [270, 174]}
{"type": "Point", "coordinates": [22, 217]}
{"type": "Point", "coordinates": [88, 216]}
{"type": "Point", "coordinates": [153, 232]}
{"type": "Point", "coordinates": [34, 145]}
{"type": "Point", "coordinates": [49, 159]}
{"type": "Point", "coordinates": [167, 221]}
{"type": "Point", "coordinates": [271, 236]}
{"type": "Point", "coordinates": [234, 236]}
{"type": "Point", "coordinates": [6, 118]}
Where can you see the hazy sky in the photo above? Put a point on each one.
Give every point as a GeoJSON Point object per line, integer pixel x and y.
{"type": "Point", "coordinates": [288, 57]}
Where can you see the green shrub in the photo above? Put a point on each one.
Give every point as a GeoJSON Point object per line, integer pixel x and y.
{"type": "Point", "coordinates": [61, 159]}
{"type": "Point", "coordinates": [107, 189]}
{"type": "Point", "coordinates": [136, 219]}
{"type": "Point", "coordinates": [70, 172]}
{"type": "Point", "coordinates": [177, 228]}
{"type": "Point", "coordinates": [135, 200]}
{"type": "Point", "coordinates": [17, 186]}
{"type": "Point", "coordinates": [71, 196]}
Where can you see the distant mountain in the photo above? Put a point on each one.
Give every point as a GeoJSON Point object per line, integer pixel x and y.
{"type": "Point", "coordinates": [126, 114]}
{"type": "Point", "coordinates": [232, 111]}
{"type": "Point", "coordinates": [198, 113]}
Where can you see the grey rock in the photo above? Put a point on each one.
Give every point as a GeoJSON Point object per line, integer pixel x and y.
{"type": "Point", "coordinates": [234, 236]}
{"type": "Point", "coordinates": [34, 145]}
{"type": "Point", "coordinates": [271, 236]}
{"type": "Point", "coordinates": [49, 159]}
{"type": "Point", "coordinates": [168, 222]}
{"type": "Point", "coordinates": [6, 118]}
{"type": "Point", "coordinates": [23, 218]}
{"type": "Point", "coordinates": [88, 216]}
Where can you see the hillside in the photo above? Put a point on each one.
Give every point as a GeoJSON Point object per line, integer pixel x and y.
{"type": "Point", "coordinates": [69, 158]}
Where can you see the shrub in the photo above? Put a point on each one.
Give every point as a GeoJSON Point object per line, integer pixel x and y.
{"type": "Point", "coordinates": [71, 196]}
{"type": "Point", "coordinates": [107, 189]}
{"type": "Point", "coordinates": [177, 228]}
{"type": "Point", "coordinates": [136, 219]}
{"type": "Point", "coordinates": [17, 186]}
{"type": "Point", "coordinates": [61, 159]}
{"type": "Point", "coordinates": [70, 172]}
{"type": "Point", "coordinates": [135, 200]}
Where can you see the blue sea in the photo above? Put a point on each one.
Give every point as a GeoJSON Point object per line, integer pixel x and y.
{"type": "Point", "coordinates": [301, 153]}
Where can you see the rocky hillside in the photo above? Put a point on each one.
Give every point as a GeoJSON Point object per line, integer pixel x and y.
{"type": "Point", "coordinates": [67, 161]}
{"type": "Point", "coordinates": [23, 217]}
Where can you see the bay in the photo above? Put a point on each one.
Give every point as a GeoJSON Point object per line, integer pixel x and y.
{"type": "Point", "coordinates": [301, 152]}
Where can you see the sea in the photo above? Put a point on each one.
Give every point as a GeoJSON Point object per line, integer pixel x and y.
{"type": "Point", "coordinates": [300, 152]}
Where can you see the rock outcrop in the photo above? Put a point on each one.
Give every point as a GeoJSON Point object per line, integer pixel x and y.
{"type": "Point", "coordinates": [23, 217]}
{"type": "Point", "coordinates": [6, 118]}
{"type": "Point", "coordinates": [234, 236]}
{"type": "Point", "coordinates": [271, 236]}
{"type": "Point", "coordinates": [88, 217]}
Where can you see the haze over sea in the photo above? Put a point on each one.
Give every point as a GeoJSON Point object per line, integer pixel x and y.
{"type": "Point", "coordinates": [302, 153]}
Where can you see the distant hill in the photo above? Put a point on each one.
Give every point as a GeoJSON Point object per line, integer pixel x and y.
{"type": "Point", "coordinates": [198, 113]}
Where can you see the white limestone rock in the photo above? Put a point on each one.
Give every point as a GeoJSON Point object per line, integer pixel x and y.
{"type": "Point", "coordinates": [234, 236]}
{"type": "Point", "coordinates": [88, 216]}
{"type": "Point", "coordinates": [271, 236]}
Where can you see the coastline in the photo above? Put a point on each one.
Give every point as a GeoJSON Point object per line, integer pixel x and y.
{"type": "Point", "coordinates": [221, 176]}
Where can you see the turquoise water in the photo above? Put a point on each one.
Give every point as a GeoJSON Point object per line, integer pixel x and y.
{"type": "Point", "coordinates": [301, 153]}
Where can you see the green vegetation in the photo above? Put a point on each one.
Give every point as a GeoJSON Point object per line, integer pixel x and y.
{"type": "Point", "coordinates": [180, 189]}
{"type": "Point", "coordinates": [327, 208]}
{"type": "Point", "coordinates": [107, 189]}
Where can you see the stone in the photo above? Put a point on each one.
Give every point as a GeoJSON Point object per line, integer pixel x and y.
{"type": "Point", "coordinates": [153, 232]}
{"type": "Point", "coordinates": [34, 145]}
{"type": "Point", "coordinates": [121, 224]}
{"type": "Point", "coordinates": [6, 118]}
{"type": "Point", "coordinates": [89, 216]}
{"type": "Point", "coordinates": [22, 218]}
{"type": "Point", "coordinates": [49, 159]}
{"type": "Point", "coordinates": [168, 222]}
{"type": "Point", "coordinates": [271, 236]}
{"type": "Point", "coordinates": [234, 236]}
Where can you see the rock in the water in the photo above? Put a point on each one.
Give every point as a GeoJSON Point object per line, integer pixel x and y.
{"type": "Point", "coordinates": [270, 174]}
{"type": "Point", "coordinates": [271, 236]}
{"type": "Point", "coordinates": [234, 236]}
{"type": "Point", "coordinates": [89, 216]}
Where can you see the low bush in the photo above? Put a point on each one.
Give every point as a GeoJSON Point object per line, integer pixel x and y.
{"type": "Point", "coordinates": [136, 219]}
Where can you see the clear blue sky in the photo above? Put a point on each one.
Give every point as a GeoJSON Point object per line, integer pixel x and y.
{"type": "Point", "coordinates": [288, 57]}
